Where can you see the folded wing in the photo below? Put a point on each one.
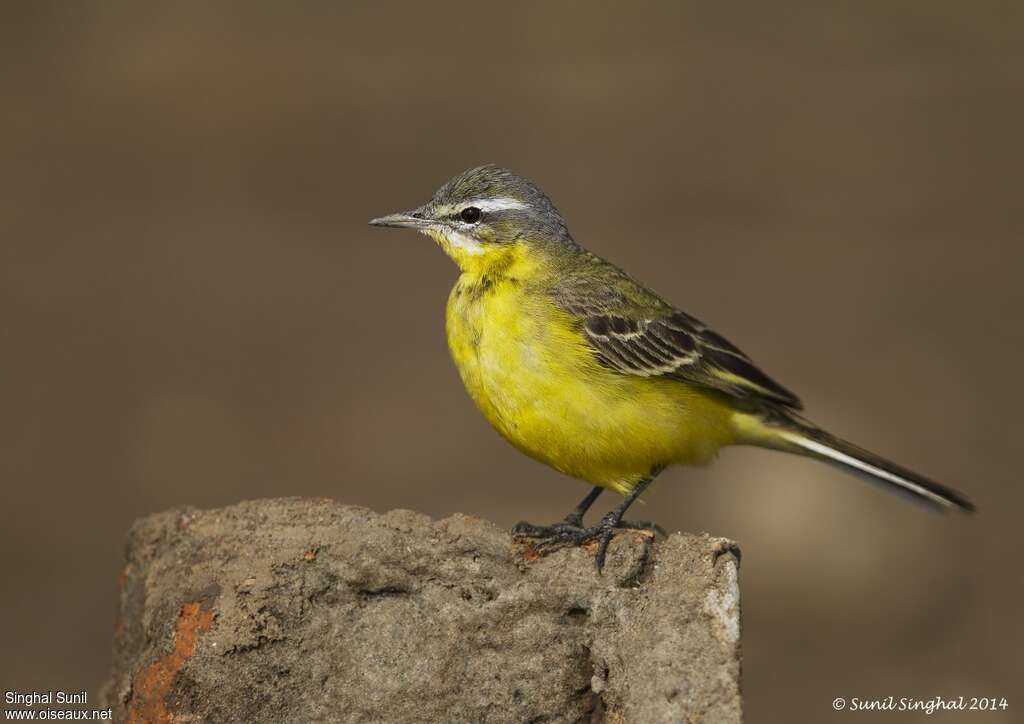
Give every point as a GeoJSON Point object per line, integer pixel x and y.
{"type": "Point", "coordinates": [634, 331]}
{"type": "Point", "coordinates": [680, 347]}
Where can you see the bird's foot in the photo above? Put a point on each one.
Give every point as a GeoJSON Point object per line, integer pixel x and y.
{"type": "Point", "coordinates": [543, 537]}
{"type": "Point", "coordinates": [570, 532]}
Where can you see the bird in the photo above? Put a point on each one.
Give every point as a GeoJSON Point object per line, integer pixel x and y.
{"type": "Point", "coordinates": [584, 368]}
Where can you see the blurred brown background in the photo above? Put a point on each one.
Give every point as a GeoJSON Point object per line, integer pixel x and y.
{"type": "Point", "coordinates": [194, 310]}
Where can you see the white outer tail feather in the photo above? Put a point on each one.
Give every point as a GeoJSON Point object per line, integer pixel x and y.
{"type": "Point", "coordinates": [848, 461]}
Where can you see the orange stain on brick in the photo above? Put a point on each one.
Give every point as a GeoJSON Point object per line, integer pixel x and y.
{"type": "Point", "coordinates": [151, 685]}
{"type": "Point", "coordinates": [528, 553]}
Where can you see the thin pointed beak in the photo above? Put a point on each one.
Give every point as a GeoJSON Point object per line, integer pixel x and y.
{"type": "Point", "coordinates": [405, 220]}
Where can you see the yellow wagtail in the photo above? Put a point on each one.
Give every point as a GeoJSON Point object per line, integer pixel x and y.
{"type": "Point", "coordinates": [583, 368]}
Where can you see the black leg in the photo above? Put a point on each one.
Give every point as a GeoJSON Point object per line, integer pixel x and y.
{"type": "Point", "coordinates": [576, 516]}
{"type": "Point", "coordinates": [612, 519]}
{"type": "Point", "coordinates": [571, 531]}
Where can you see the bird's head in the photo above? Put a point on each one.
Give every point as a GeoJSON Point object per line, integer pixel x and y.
{"type": "Point", "coordinates": [479, 216]}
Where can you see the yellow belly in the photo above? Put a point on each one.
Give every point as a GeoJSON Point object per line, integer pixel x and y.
{"type": "Point", "coordinates": [535, 381]}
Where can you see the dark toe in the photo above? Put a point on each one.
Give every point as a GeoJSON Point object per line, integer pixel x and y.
{"type": "Point", "coordinates": [602, 547]}
{"type": "Point", "coordinates": [558, 530]}
{"type": "Point", "coordinates": [526, 529]}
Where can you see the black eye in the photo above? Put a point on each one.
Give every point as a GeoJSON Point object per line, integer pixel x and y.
{"type": "Point", "coordinates": [470, 214]}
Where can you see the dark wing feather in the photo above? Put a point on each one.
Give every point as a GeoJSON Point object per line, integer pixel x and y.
{"type": "Point", "coordinates": [635, 332]}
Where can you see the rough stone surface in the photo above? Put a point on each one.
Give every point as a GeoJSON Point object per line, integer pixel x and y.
{"type": "Point", "coordinates": [308, 610]}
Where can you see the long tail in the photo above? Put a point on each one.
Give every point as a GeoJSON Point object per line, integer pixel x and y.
{"type": "Point", "coordinates": [796, 435]}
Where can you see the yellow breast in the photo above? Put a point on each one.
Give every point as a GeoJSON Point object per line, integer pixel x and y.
{"type": "Point", "coordinates": [527, 368]}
